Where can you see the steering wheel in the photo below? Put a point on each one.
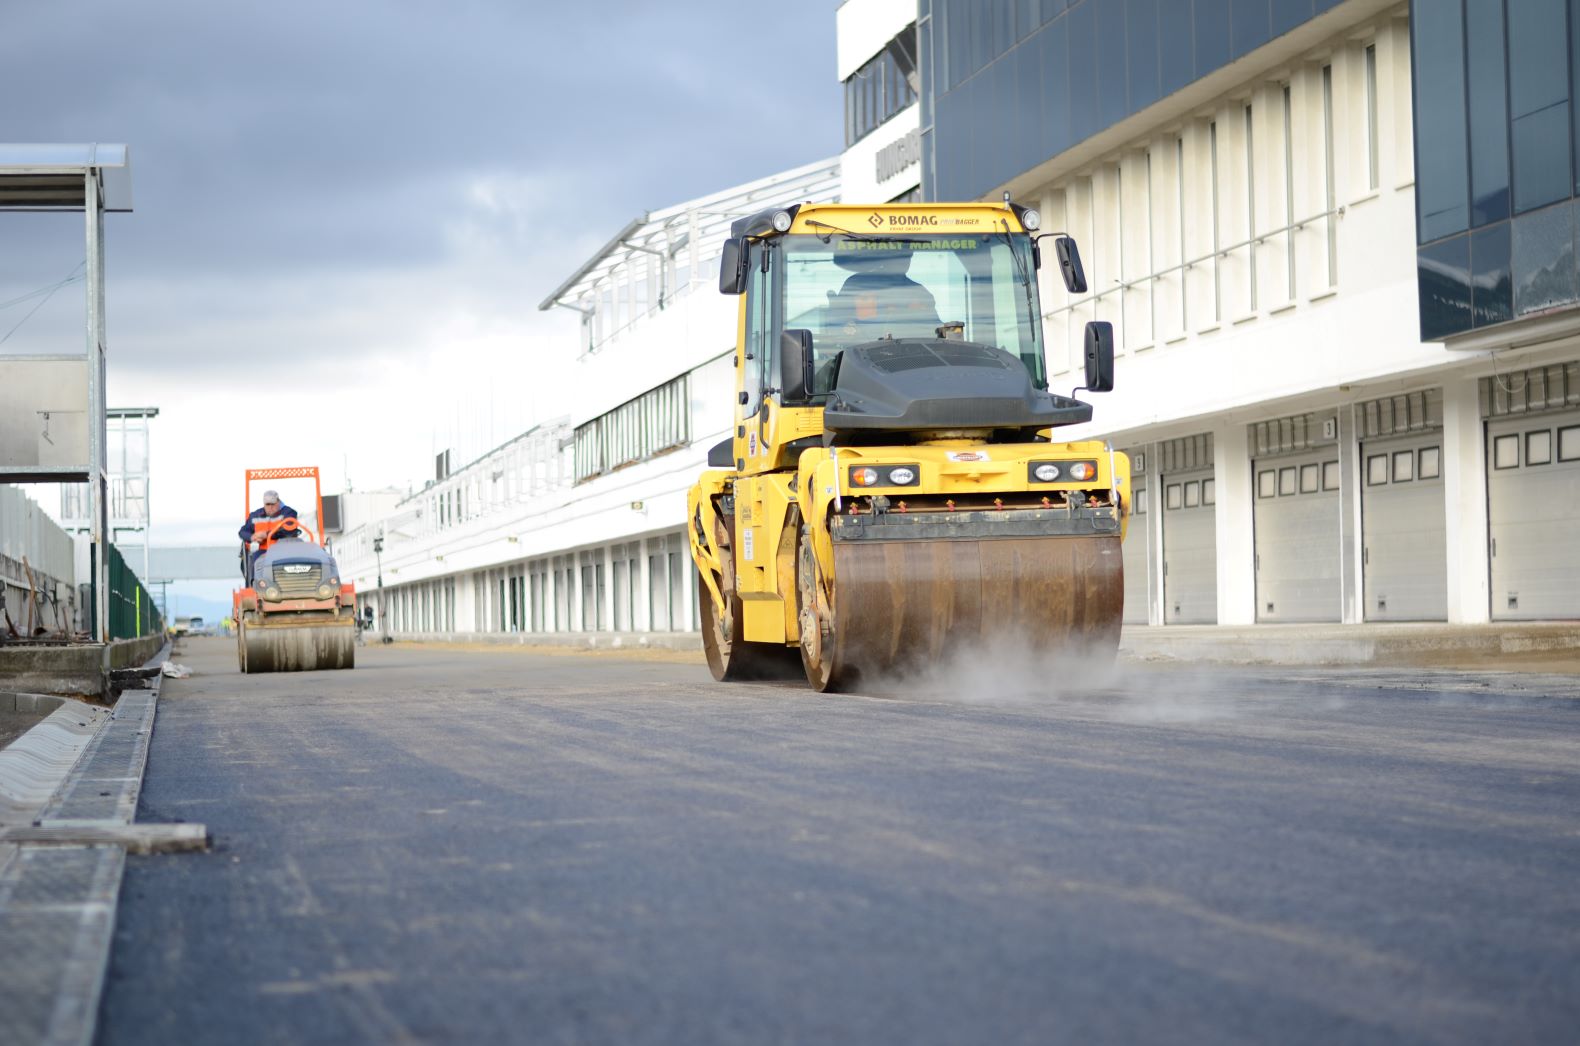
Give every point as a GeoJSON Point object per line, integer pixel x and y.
{"type": "Point", "coordinates": [286, 523]}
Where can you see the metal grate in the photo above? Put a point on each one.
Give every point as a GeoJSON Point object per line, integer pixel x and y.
{"type": "Point", "coordinates": [1406, 412]}
{"type": "Point", "coordinates": [1553, 387]}
{"type": "Point", "coordinates": [293, 585]}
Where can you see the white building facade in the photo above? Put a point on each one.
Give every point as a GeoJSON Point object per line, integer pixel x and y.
{"type": "Point", "coordinates": [1247, 213]}
{"type": "Point", "coordinates": [577, 525]}
{"type": "Point", "coordinates": [877, 66]}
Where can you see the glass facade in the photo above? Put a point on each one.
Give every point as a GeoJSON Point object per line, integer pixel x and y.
{"type": "Point", "coordinates": [880, 88]}
{"type": "Point", "coordinates": [1496, 174]}
{"type": "Point", "coordinates": [1007, 84]}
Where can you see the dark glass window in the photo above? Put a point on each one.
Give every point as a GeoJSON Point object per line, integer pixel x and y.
{"type": "Point", "coordinates": [1082, 22]}
{"type": "Point", "coordinates": [1176, 60]}
{"type": "Point", "coordinates": [1028, 16]}
{"type": "Point", "coordinates": [1251, 27]}
{"type": "Point", "coordinates": [1539, 101]}
{"type": "Point", "coordinates": [1491, 288]}
{"type": "Point", "coordinates": [1574, 83]}
{"type": "Point", "coordinates": [1289, 13]}
{"type": "Point", "coordinates": [1053, 53]}
{"type": "Point", "coordinates": [1443, 283]}
{"type": "Point", "coordinates": [1212, 35]}
{"type": "Point", "coordinates": [1489, 112]}
{"type": "Point", "coordinates": [1541, 157]}
{"type": "Point", "coordinates": [1544, 260]}
{"type": "Point", "coordinates": [1028, 100]}
{"type": "Point", "coordinates": [1050, 8]}
{"type": "Point", "coordinates": [1141, 29]}
{"type": "Point", "coordinates": [1111, 102]}
{"type": "Point", "coordinates": [1002, 26]}
{"type": "Point", "coordinates": [879, 89]}
{"type": "Point", "coordinates": [1442, 178]}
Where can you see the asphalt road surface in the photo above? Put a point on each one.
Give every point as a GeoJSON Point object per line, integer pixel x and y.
{"type": "Point", "coordinates": [494, 846]}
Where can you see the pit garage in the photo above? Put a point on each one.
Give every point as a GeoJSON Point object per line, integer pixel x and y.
{"type": "Point", "coordinates": [1533, 492]}
{"type": "Point", "coordinates": [1138, 536]}
{"type": "Point", "coordinates": [1404, 543]}
{"type": "Point", "coordinates": [1190, 531]}
{"type": "Point", "coordinates": [1295, 472]}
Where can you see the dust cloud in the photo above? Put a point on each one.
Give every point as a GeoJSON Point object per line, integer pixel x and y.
{"type": "Point", "coordinates": [1017, 674]}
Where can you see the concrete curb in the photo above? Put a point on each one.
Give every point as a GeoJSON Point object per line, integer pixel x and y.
{"type": "Point", "coordinates": [1321, 644]}
{"type": "Point", "coordinates": [79, 670]}
{"type": "Point", "coordinates": [60, 883]}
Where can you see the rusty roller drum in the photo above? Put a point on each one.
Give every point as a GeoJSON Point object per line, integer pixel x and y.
{"type": "Point", "coordinates": [899, 606]}
{"type": "Point", "coordinates": [296, 647]}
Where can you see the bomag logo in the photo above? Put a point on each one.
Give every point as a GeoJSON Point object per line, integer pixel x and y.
{"type": "Point", "coordinates": [906, 220]}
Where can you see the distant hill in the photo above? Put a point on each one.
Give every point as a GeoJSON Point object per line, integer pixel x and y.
{"type": "Point", "coordinates": [212, 611]}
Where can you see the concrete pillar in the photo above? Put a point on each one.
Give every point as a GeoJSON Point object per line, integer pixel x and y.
{"type": "Point", "coordinates": [1231, 473]}
{"type": "Point", "coordinates": [551, 596]}
{"type": "Point", "coordinates": [606, 621]}
{"type": "Point", "coordinates": [641, 608]}
{"type": "Point", "coordinates": [573, 588]}
{"type": "Point", "coordinates": [466, 602]}
{"type": "Point", "coordinates": [688, 586]}
{"type": "Point", "coordinates": [1465, 502]}
{"type": "Point", "coordinates": [1351, 601]}
{"type": "Point", "coordinates": [1154, 523]}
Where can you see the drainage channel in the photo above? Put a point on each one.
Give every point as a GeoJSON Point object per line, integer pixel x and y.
{"type": "Point", "coordinates": [60, 872]}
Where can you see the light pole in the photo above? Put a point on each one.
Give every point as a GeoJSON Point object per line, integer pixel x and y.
{"type": "Point", "coordinates": [378, 559]}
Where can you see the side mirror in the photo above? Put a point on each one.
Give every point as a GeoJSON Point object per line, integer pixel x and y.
{"type": "Point", "coordinates": [732, 266]}
{"type": "Point", "coordinates": [1070, 264]}
{"type": "Point", "coordinates": [795, 365]}
{"type": "Point", "coordinates": [1099, 356]}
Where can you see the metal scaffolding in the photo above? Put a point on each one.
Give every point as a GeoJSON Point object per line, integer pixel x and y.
{"type": "Point", "coordinates": [63, 395]}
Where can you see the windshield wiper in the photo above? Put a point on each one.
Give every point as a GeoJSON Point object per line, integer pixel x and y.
{"type": "Point", "coordinates": [867, 236]}
{"type": "Point", "coordinates": [1025, 277]}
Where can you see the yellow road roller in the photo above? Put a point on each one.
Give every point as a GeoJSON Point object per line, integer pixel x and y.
{"type": "Point", "coordinates": [892, 491]}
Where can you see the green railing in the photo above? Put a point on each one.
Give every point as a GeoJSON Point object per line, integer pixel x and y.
{"type": "Point", "coordinates": [132, 609]}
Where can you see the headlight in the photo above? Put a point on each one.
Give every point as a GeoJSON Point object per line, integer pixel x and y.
{"type": "Point", "coordinates": [1030, 219]}
{"type": "Point", "coordinates": [903, 476]}
{"type": "Point", "coordinates": [1083, 470]}
{"type": "Point", "coordinates": [334, 581]}
{"type": "Point", "coordinates": [781, 221]}
{"type": "Point", "coordinates": [864, 477]}
{"type": "Point", "coordinates": [324, 591]}
{"type": "Point", "coordinates": [271, 593]}
{"type": "Point", "coordinates": [1047, 472]}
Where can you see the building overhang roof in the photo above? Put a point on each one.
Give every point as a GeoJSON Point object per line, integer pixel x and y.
{"type": "Point", "coordinates": [667, 232]}
{"type": "Point", "coordinates": [53, 177]}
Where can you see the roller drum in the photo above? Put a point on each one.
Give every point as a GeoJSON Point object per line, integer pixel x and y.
{"type": "Point", "coordinates": [297, 647]}
{"type": "Point", "coordinates": [894, 607]}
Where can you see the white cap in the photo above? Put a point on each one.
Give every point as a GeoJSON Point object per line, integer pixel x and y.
{"type": "Point", "coordinates": [270, 495]}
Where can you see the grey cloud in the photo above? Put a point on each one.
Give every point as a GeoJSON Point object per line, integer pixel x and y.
{"type": "Point", "coordinates": [319, 175]}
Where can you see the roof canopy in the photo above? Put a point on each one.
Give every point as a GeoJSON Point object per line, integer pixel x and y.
{"type": "Point", "coordinates": [53, 177]}
{"type": "Point", "coordinates": [668, 232]}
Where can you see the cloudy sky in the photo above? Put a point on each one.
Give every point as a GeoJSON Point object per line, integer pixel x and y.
{"type": "Point", "coordinates": [347, 212]}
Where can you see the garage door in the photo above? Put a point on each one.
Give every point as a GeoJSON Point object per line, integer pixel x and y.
{"type": "Point", "coordinates": [1403, 532]}
{"type": "Point", "coordinates": [1138, 581]}
{"type": "Point", "coordinates": [1533, 508]}
{"type": "Point", "coordinates": [1297, 537]}
{"type": "Point", "coordinates": [1190, 549]}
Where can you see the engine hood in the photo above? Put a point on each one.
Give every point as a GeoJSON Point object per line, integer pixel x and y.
{"type": "Point", "coordinates": [287, 551]}
{"type": "Point", "coordinates": [923, 384]}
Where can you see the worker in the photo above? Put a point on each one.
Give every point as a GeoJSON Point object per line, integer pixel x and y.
{"type": "Point", "coordinates": [881, 299]}
{"type": "Point", "coordinates": [272, 509]}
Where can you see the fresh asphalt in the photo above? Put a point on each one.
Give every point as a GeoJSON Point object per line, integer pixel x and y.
{"type": "Point", "coordinates": [494, 846]}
